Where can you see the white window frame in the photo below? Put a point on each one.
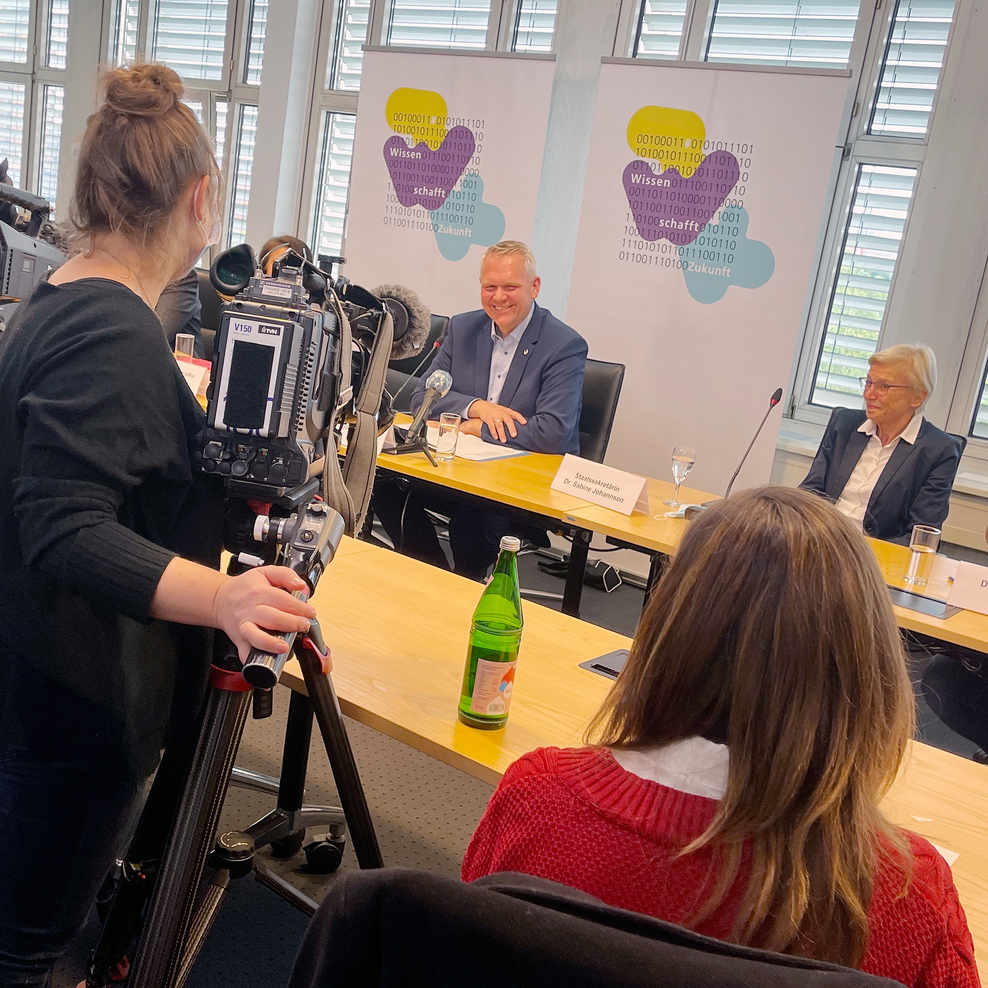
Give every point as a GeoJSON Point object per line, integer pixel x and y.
{"type": "Point", "coordinates": [34, 75]}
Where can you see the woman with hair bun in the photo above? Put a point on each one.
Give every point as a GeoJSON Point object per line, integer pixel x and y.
{"type": "Point", "coordinates": [109, 536]}
{"type": "Point", "coordinates": [737, 766]}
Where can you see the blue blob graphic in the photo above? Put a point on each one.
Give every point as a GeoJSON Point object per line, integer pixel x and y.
{"type": "Point", "coordinates": [465, 219]}
{"type": "Point", "coordinates": [722, 255]}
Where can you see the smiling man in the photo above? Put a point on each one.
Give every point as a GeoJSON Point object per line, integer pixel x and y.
{"type": "Point", "coordinates": [517, 380]}
{"type": "Point", "coordinates": [887, 468]}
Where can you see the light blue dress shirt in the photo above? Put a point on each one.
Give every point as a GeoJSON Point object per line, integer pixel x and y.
{"type": "Point", "coordinates": [503, 353]}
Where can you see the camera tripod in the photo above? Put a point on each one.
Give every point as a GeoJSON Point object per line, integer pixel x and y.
{"type": "Point", "coordinates": [159, 901]}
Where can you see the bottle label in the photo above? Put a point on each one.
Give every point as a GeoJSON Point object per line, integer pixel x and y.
{"type": "Point", "coordinates": [492, 687]}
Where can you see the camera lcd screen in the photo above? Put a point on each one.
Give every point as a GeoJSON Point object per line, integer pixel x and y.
{"type": "Point", "coordinates": [247, 385]}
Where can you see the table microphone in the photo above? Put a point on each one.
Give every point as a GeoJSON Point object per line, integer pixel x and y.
{"type": "Point", "coordinates": [414, 375]}
{"type": "Point", "coordinates": [437, 386]}
{"type": "Point", "coordinates": [772, 402]}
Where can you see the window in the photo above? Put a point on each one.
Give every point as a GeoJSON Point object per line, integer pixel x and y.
{"type": "Point", "coordinates": [191, 37]}
{"type": "Point", "coordinates": [51, 136]}
{"type": "Point", "coordinates": [534, 25]}
{"type": "Point", "coordinates": [336, 152]}
{"type": "Point", "coordinates": [347, 56]}
{"type": "Point", "coordinates": [660, 29]}
{"type": "Point", "coordinates": [439, 23]}
{"type": "Point", "coordinates": [911, 72]}
{"type": "Point", "coordinates": [805, 33]}
{"type": "Point", "coordinates": [15, 28]}
{"type": "Point", "coordinates": [861, 290]}
{"type": "Point", "coordinates": [12, 127]}
{"type": "Point", "coordinates": [217, 47]}
{"type": "Point", "coordinates": [240, 184]}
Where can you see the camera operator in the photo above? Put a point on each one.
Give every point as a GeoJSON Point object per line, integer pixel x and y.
{"type": "Point", "coordinates": [109, 535]}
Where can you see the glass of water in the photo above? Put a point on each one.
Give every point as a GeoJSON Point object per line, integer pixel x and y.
{"type": "Point", "coordinates": [923, 544]}
{"type": "Point", "coordinates": [683, 458]}
{"type": "Point", "coordinates": [449, 431]}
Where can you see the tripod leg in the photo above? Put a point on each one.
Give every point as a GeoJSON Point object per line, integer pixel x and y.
{"type": "Point", "coordinates": [322, 696]}
{"type": "Point", "coordinates": [159, 957]}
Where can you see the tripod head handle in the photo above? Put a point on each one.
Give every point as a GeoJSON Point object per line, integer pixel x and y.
{"type": "Point", "coordinates": [310, 538]}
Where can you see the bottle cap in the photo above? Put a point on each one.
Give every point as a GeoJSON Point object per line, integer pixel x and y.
{"type": "Point", "coordinates": [510, 542]}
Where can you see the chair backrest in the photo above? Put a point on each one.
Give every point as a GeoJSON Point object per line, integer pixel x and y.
{"type": "Point", "coordinates": [410, 365]}
{"type": "Point", "coordinates": [210, 316]}
{"type": "Point", "coordinates": [601, 390]}
{"type": "Point", "coordinates": [395, 927]}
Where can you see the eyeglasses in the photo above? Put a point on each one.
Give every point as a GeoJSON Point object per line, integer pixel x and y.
{"type": "Point", "coordinates": [880, 386]}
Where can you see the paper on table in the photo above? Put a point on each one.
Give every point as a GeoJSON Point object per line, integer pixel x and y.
{"type": "Point", "coordinates": [473, 448]}
{"type": "Point", "coordinates": [949, 856]}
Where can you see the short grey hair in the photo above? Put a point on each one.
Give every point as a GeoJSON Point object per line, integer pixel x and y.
{"type": "Point", "coordinates": [507, 247]}
{"type": "Point", "coordinates": [919, 360]}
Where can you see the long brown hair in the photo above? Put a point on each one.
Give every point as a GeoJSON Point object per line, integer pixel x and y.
{"type": "Point", "coordinates": [772, 631]}
{"type": "Point", "coordinates": [142, 149]}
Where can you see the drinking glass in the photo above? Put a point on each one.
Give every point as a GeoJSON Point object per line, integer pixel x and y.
{"type": "Point", "coordinates": [449, 431]}
{"type": "Point", "coordinates": [683, 458]}
{"type": "Point", "coordinates": [185, 346]}
{"type": "Point", "coordinates": [923, 544]}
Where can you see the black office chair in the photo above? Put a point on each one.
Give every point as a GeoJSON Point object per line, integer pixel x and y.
{"type": "Point", "coordinates": [395, 927]}
{"type": "Point", "coordinates": [398, 380]}
{"type": "Point", "coordinates": [210, 316]}
{"type": "Point", "coordinates": [601, 390]}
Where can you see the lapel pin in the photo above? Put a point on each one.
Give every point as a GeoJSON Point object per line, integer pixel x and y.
{"type": "Point", "coordinates": [525, 353]}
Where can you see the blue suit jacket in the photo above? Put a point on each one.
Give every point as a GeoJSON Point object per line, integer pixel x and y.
{"type": "Point", "coordinates": [913, 489]}
{"type": "Point", "coordinates": [544, 382]}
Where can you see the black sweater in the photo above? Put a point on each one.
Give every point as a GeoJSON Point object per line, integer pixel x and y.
{"type": "Point", "coordinates": [97, 494]}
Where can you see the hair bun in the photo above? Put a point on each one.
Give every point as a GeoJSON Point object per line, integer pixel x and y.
{"type": "Point", "coordinates": [142, 90]}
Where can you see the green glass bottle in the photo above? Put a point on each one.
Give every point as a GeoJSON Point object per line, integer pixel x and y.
{"type": "Point", "coordinates": [495, 635]}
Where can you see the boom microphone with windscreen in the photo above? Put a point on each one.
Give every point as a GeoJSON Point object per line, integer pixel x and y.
{"type": "Point", "coordinates": [412, 320]}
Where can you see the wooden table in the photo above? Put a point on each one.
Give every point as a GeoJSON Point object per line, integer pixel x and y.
{"type": "Point", "coordinates": [398, 632]}
{"type": "Point", "coordinates": [523, 483]}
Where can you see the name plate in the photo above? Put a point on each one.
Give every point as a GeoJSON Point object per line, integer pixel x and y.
{"type": "Point", "coordinates": [970, 589]}
{"type": "Point", "coordinates": [624, 492]}
{"type": "Point", "coordinates": [196, 374]}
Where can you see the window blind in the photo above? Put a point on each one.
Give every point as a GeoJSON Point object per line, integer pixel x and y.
{"type": "Point", "coordinates": [348, 56]}
{"type": "Point", "coordinates": [333, 181]}
{"type": "Point", "coordinates": [798, 33]}
{"type": "Point", "coordinates": [882, 195]}
{"type": "Point", "coordinates": [660, 28]}
{"type": "Point", "coordinates": [911, 69]}
{"type": "Point", "coordinates": [439, 23]}
{"type": "Point", "coordinates": [534, 24]}
{"type": "Point", "coordinates": [15, 21]}
{"type": "Point", "coordinates": [190, 36]}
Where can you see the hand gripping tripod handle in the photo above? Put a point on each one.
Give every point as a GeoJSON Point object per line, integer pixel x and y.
{"type": "Point", "coordinates": [310, 541]}
{"type": "Point", "coordinates": [263, 669]}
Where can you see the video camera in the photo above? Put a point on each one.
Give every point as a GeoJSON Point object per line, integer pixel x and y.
{"type": "Point", "coordinates": [298, 354]}
{"type": "Point", "coordinates": [25, 258]}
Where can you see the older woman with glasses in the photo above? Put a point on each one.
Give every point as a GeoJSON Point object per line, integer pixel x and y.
{"type": "Point", "coordinates": [887, 468]}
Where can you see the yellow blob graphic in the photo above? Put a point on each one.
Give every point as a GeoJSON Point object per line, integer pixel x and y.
{"type": "Point", "coordinates": [672, 138]}
{"type": "Point", "coordinates": [419, 113]}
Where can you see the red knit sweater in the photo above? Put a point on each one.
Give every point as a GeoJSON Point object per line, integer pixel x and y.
{"type": "Point", "coordinates": [577, 817]}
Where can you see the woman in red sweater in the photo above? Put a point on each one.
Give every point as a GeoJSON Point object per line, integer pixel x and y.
{"type": "Point", "coordinates": [737, 766]}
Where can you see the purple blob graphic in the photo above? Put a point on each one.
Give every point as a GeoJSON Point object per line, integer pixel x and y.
{"type": "Point", "coordinates": [423, 177]}
{"type": "Point", "coordinates": [676, 208]}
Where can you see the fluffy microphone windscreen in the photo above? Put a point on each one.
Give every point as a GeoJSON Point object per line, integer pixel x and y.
{"type": "Point", "coordinates": [412, 319]}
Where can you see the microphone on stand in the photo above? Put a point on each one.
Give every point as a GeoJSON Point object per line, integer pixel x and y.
{"type": "Point", "coordinates": [694, 510]}
{"type": "Point", "coordinates": [437, 386]}
{"type": "Point", "coordinates": [414, 375]}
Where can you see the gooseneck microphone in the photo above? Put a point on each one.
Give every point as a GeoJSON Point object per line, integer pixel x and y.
{"type": "Point", "coordinates": [437, 386]}
{"type": "Point", "coordinates": [772, 402]}
{"type": "Point", "coordinates": [413, 377]}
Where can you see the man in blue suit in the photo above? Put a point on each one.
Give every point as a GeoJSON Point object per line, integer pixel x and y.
{"type": "Point", "coordinates": [518, 380]}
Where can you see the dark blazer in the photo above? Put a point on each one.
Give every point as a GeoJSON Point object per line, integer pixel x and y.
{"type": "Point", "coordinates": [544, 382]}
{"type": "Point", "coordinates": [913, 489]}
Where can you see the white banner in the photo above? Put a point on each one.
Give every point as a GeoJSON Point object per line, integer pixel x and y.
{"type": "Point", "coordinates": [701, 212]}
{"type": "Point", "coordinates": [447, 158]}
